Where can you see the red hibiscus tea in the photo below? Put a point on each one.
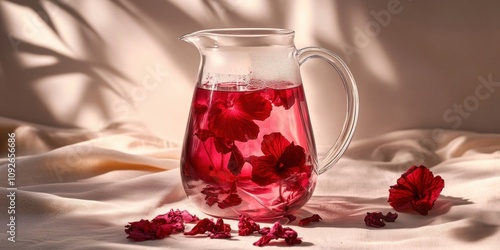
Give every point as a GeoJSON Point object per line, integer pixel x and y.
{"type": "Point", "coordinates": [249, 151]}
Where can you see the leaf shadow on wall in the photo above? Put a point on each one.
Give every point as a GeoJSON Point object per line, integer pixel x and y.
{"type": "Point", "coordinates": [22, 80]}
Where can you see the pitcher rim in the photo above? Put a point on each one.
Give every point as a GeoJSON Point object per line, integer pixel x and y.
{"type": "Point", "coordinates": [245, 32]}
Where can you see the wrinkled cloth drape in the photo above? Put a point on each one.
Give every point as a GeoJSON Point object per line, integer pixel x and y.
{"type": "Point", "coordinates": [78, 189]}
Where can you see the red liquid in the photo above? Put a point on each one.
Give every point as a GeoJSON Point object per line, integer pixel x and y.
{"type": "Point", "coordinates": [249, 152]}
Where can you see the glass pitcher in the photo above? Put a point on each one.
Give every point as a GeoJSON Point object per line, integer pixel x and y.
{"type": "Point", "coordinates": [249, 147]}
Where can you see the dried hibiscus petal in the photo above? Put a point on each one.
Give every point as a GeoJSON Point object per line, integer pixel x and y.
{"type": "Point", "coordinates": [220, 230]}
{"type": "Point", "coordinates": [312, 218]}
{"type": "Point", "coordinates": [290, 236]}
{"type": "Point", "coordinates": [175, 220]}
{"type": "Point", "coordinates": [390, 217]}
{"type": "Point", "coordinates": [201, 227]}
{"type": "Point", "coordinates": [247, 226]}
{"type": "Point", "coordinates": [277, 232]}
{"type": "Point", "coordinates": [161, 226]}
{"type": "Point", "coordinates": [217, 230]}
{"type": "Point", "coordinates": [144, 230]}
{"type": "Point", "coordinates": [377, 219]}
{"type": "Point", "coordinates": [264, 240]}
{"type": "Point", "coordinates": [374, 220]}
{"type": "Point", "coordinates": [416, 189]}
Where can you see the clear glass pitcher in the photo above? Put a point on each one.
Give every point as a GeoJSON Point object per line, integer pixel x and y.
{"type": "Point", "coordinates": [249, 147]}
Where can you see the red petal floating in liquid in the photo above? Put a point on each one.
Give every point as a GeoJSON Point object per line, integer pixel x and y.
{"type": "Point", "coordinates": [230, 201]}
{"type": "Point", "coordinates": [236, 161]}
{"type": "Point", "coordinates": [281, 160]}
{"type": "Point", "coordinates": [232, 118]}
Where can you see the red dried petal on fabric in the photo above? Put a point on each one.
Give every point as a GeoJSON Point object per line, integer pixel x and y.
{"type": "Point", "coordinates": [290, 236]}
{"type": "Point", "coordinates": [374, 220]}
{"type": "Point", "coordinates": [175, 226]}
{"type": "Point", "coordinates": [390, 217]}
{"type": "Point", "coordinates": [264, 230]}
{"type": "Point", "coordinates": [164, 230]}
{"type": "Point", "coordinates": [247, 226]}
{"type": "Point", "coordinates": [290, 217]}
{"type": "Point", "coordinates": [161, 226]}
{"type": "Point", "coordinates": [281, 160]}
{"type": "Point", "coordinates": [416, 189]}
{"type": "Point", "coordinates": [377, 219]}
{"type": "Point", "coordinates": [232, 117]}
{"type": "Point", "coordinates": [141, 230]}
{"type": "Point", "coordinates": [276, 232]}
{"type": "Point", "coordinates": [220, 230]}
{"type": "Point", "coordinates": [312, 218]}
{"type": "Point", "coordinates": [147, 230]}
{"type": "Point", "coordinates": [203, 226]}
{"type": "Point", "coordinates": [230, 201]}
{"type": "Point", "coordinates": [177, 216]}
{"type": "Point", "coordinates": [264, 240]}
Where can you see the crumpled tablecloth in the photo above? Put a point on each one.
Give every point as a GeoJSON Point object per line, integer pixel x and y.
{"type": "Point", "coordinates": [77, 189]}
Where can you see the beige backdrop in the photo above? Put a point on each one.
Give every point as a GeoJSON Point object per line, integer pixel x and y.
{"type": "Point", "coordinates": [418, 64]}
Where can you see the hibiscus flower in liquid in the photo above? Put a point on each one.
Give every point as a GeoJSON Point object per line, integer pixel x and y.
{"type": "Point", "coordinates": [222, 118]}
{"type": "Point", "coordinates": [232, 115]}
{"type": "Point", "coordinates": [283, 163]}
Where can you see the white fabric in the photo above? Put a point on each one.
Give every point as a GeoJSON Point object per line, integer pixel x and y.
{"type": "Point", "coordinates": [79, 194]}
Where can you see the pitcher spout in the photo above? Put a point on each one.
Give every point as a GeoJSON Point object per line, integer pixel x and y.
{"type": "Point", "coordinates": [190, 38]}
{"type": "Point", "coordinates": [245, 37]}
{"type": "Point", "coordinates": [201, 39]}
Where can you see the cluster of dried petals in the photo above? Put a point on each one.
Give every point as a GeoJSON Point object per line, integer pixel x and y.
{"type": "Point", "coordinates": [277, 232]}
{"type": "Point", "coordinates": [173, 222]}
{"type": "Point", "coordinates": [160, 227]}
{"type": "Point", "coordinates": [312, 218]}
{"type": "Point", "coordinates": [416, 189]}
{"type": "Point", "coordinates": [377, 219]}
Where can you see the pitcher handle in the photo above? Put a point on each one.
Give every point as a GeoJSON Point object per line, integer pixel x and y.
{"type": "Point", "coordinates": [342, 142]}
